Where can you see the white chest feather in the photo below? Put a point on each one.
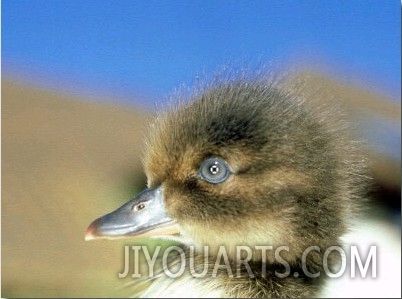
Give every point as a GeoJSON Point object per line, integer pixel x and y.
{"type": "Point", "coordinates": [185, 287]}
{"type": "Point", "coordinates": [386, 238]}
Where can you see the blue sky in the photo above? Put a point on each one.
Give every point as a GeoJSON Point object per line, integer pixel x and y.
{"type": "Point", "coordinates": [138, 52]}
{"type": "Point", "coordinates": [149, 48]}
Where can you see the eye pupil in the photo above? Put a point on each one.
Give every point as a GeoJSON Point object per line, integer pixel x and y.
{"type": "Point", "coordinates": [214, 169]}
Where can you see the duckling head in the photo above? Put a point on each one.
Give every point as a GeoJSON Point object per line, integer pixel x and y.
{"type": "Point", "coordinates": [243, 163]}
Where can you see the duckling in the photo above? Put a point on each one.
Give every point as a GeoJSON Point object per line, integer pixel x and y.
{"type": "Point", "coordinates": [245, 163]}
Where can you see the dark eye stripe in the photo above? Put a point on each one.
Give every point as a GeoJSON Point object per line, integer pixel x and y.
{"type": "Point", "coordinates": [214, 170]}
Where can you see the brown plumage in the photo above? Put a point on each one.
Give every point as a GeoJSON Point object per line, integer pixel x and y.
{"type": "Point", "coordinates": [286, 174]}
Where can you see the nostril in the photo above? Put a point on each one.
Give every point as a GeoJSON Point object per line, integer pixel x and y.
{"type": "Point", "coordinates": [138, 207]}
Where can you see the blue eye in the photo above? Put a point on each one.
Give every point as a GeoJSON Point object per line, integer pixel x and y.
{"type": "Point", "coordinates": [214, 170]}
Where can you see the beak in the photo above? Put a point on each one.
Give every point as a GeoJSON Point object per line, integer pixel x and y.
{"type": "Point", "coordinates": [144, 215]}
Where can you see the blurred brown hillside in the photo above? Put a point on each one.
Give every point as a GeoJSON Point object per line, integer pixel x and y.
{"type": "Point", "coordinates": [67, 161]}
{"type": "Point", "coordinates": [64, 162]}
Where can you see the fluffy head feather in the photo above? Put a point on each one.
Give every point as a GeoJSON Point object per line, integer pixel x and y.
{"type": "Point", "coordinates": [296, 175]}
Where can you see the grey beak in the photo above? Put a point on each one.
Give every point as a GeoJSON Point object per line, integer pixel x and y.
{"type": "Point", "coordinates": [144, 215]}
